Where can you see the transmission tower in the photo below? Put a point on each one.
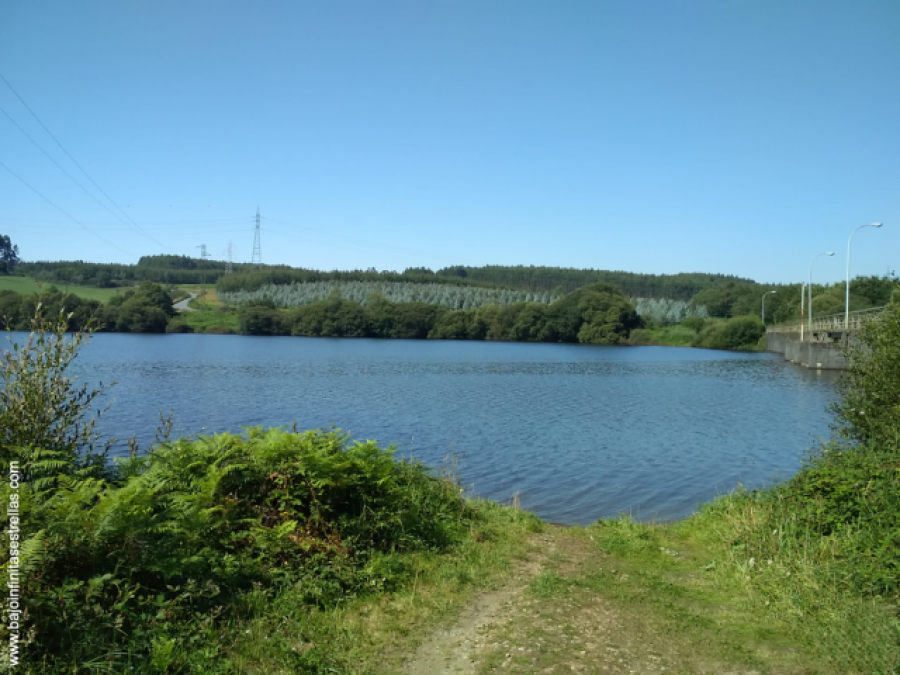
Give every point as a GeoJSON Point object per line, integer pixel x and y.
{"type": "Point", "coordinates": [257, 255]}
{"type": "Point", "coordinates": [228, 266]}
{"type": "Point", "coordinates": [204, 254]}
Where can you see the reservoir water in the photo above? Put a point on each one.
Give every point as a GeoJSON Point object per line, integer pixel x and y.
{"type": "Point", "coordinates": [578, 432]}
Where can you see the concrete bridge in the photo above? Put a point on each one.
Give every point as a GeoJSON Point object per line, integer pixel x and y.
{"type": "Point", "coordinates": [821, 344]}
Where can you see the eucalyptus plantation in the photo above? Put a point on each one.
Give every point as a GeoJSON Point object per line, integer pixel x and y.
{"type": "Point", "coordinates": [445, 295]}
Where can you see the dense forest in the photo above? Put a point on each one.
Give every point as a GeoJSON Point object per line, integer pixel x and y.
{"type": "Point", "coordinates": [254, 280]}
{"type": "Point", "coordinates": [164, 269]}
{"type": "Point", "coordinates": [682, 286]}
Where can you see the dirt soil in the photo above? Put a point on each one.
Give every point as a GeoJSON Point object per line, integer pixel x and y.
{"type": "Point", "coordinates": [529, 626]}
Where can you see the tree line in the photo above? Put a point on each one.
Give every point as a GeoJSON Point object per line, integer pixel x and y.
{"type": "Point", "coordinates": [146, 308]}
{"type": "Point", "coordinates": [253, 280]}
{"type": "Point", "coordinates": [738, 299]}
{"type": "Point", "coordinates": [538, 279]}
{"type": "Point", "coordinates": [598, 314]}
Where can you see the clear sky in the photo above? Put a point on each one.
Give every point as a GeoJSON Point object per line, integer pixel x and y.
{"type": "Point", "coordinates": [741, 137]}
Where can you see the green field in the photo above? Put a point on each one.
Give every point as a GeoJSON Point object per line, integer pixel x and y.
{"type": "Point", "coordinates": [32, 285]}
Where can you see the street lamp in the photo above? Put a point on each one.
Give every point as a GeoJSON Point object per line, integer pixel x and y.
{"type": "Point", "coordinates": [847, 297]}
{"type": "Point", "coordinates": [809, 288]}
{"type": "Point", "coordinates": [764, 305]}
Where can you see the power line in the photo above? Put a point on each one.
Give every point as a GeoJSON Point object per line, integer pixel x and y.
{"type": "Point", "coordinates": [362, 243]}
{"type": "Point", "coordinates": [71, 217]}
{"type": "Point", "coordinates": [59, 166]}
{"type": "Point", "coordinates": [102, 191]}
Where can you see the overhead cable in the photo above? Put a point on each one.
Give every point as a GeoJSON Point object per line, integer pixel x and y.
{"type": "Point", "coordinates": [61, 147]}
{"type": "Point", "coordinates": [65, 213]}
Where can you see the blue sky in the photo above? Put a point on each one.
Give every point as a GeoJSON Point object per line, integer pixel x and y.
{"type": "Point", "coordinates": [648, 136]}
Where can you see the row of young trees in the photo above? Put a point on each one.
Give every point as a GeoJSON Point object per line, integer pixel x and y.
{"type": "Point", "coordinates": [598, 314]}
{"type": "Point", "coordinates": [453, 296]}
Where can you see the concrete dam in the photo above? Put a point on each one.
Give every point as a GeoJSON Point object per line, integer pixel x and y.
{"type": "Point", "coordinates": [820, 343]}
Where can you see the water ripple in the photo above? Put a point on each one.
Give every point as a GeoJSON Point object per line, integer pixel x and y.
{"type": "Point", "coordinates": [579, 432]}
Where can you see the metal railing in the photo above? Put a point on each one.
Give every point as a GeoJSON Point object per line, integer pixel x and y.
{"type": "Point", "coordinates": [831, 322]}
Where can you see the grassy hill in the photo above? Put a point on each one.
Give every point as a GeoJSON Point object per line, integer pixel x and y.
{"type": "Point", "coordinates": [31, 285]}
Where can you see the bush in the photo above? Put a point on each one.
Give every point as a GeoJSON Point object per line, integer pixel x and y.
{"type": "Point", "coordinates": [694, 323]}
{"type": "Point", "coordinates": [741, 332]}
{"type": "Point", "coordinates": [869, 410]}
{"type": "Point", "coordinates": [117, 565]}
{"type": "Point", "coordinates": [641, 337]}
{"type": "Point", "coordinates": [257, 320]}
{"type": "Point", "coordinates": [178, 325]}
{"type": "Point", "coordinates": [45, 418]}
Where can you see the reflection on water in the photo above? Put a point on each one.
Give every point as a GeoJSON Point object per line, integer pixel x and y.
{"type": "Point", "coordinates": [580, 432]}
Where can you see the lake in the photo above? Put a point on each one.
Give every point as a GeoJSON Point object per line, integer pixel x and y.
{"type": "Point", "coordinates": [578, 432]}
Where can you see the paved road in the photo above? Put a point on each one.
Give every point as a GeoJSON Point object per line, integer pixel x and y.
{"type": "Point", "coordinates": [182, 306]}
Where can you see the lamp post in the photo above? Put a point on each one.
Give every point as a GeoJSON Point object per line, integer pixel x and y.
{"type": "Point", "coordinates": [809, 288]}
{"type": "Point", "coordinates": [847, 296]}
{"type": "Point", "coordinates": [802, 298]}
{"type": "Point", "coordinates": [764, 305]}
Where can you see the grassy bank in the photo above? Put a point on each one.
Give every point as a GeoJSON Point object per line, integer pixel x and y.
{"type": "Point", "coordinates": [740, 333]}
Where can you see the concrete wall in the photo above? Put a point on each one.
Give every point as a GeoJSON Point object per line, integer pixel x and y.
{"type": "Point", "coordinates": [825, 355]}
{"type": "Point", "coordinates": [821, 355]}
{"type": "Point", "coordinates": [777, 342]}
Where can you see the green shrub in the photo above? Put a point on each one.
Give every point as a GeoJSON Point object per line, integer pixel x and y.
{"type": "Point", "coordinates": [178, 325]}
{"type": "Point", "coordinates": [694, 323]}
{"type": "Point", "coordinates": [257, 320]}
{"type": "Point", "coordinates": [642, 337]}
{"type": "Point", "coordinates": [869, 410]}
{"type": "Point", "coordinates": [45, 421]}
{"type": "Point", "coordinates": [741, 332]}
{"type": "Point", "coordinates": [116, 565]}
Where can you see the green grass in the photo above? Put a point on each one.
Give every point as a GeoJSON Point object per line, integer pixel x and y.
{"type": "Point", "coordinates": [211, 320]}
{"type": "Point", "coordinates": [668, 336]}
{"type": "Point", "coordinates": [819, 555]}
{"type": "Point", "coordinates": [27, 285]}
{"type": "Point", "coordinates": [375, 634]}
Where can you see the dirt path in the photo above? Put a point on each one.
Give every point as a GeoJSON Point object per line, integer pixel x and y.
{"type": "Point", "coordinates": [551, 616]}
{"type": "Point", "coordinates": [458, 648]}
{"type": "Point", "coordinates": [182, 305]}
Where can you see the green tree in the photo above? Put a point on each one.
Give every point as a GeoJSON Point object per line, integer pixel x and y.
{"type": "Point", "coordinates": [414, 320]}
{"type": "Point", "coordinates": [256, 320]}
{"type": "Point", "coordinates": [137, 316]}
{"type": "Point", "coordinates": [44, 415]}
{"type": "Point", "coordinates": [741, 332]}
{"type": "Point", "coordinates": [870, 408]}
{"type": "Point", "coordinates": [455, 325]}
{"type": "Point", "coordinates": [9, 254]}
